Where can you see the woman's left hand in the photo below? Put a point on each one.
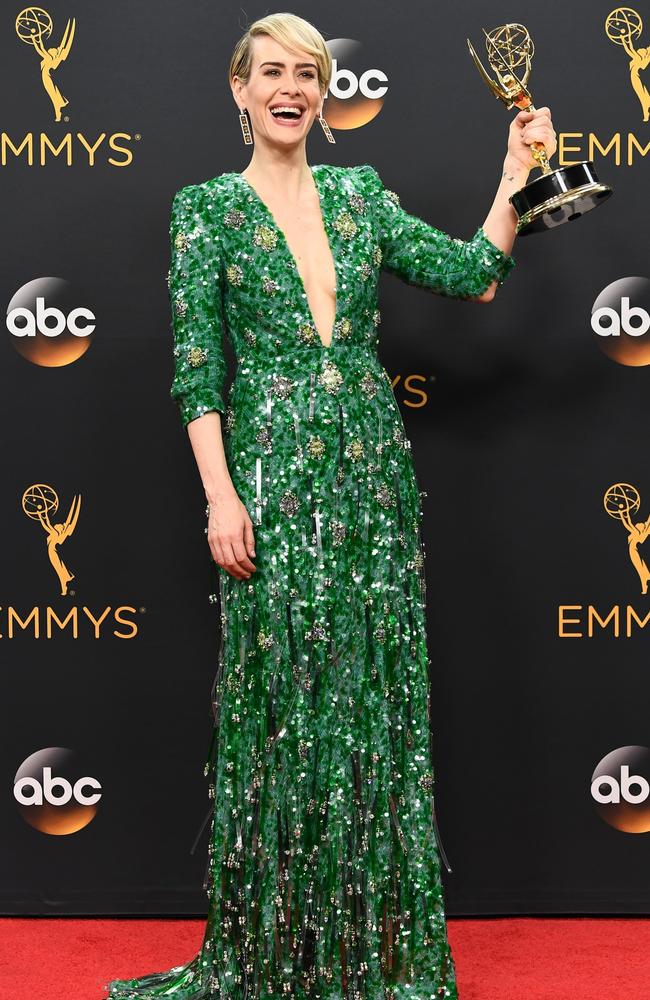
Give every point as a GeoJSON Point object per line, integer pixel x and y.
{"type": "Point", "coordinates": [528, 127]}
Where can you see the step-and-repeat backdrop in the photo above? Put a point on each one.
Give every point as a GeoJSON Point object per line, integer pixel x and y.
{"type": "Point", "coordinates": [527, 419]}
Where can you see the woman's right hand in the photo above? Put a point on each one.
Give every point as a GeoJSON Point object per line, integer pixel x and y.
{"type": "Point", "coordinates": [230, 536]}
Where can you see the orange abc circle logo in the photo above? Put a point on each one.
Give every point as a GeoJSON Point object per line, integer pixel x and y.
{"type": "Point", "coordinates": [53, 793]}
{"type": "Point", "coordinates": [47, 324]}
{"type": "Point", "coordinates": [620, 789]}
{"type": "Point", "coordinates": [620, 318]}
{"type": "Point", "coordinates": [356, 92]}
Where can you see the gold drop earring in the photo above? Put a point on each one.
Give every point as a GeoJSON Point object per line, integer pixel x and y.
{"type": "Point", "coordinates": [245, 127]}
{"type": "Point", "coordinates": [326, 129]}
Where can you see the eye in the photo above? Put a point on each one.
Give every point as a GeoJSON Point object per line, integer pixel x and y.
{"type": "Point", "coordinates": [306, 72]}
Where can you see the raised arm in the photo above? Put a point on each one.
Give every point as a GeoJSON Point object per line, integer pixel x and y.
{"type": "Point", "coordinates": [423, 255]}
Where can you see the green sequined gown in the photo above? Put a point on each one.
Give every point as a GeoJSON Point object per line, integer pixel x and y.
{"type": "Point", "coordinates": [323, 874]}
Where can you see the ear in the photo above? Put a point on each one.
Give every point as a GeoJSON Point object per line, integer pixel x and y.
{"type": "Point", "coordinates": [236, 86]}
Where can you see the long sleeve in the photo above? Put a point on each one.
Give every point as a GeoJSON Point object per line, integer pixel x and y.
{"type": "Point", "coordinates": [422, 255]}
{"type": "Point", "coordinates": [196, 307]}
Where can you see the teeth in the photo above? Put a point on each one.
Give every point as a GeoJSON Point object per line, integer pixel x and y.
{"type": "Point", "coordinates": [294, 111]}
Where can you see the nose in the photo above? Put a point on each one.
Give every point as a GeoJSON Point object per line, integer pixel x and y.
{"type": "Point", "coordinates": [290, 87]}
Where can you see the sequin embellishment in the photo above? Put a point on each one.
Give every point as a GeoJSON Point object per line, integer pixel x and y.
{"type": "Point", "coordinates": [289, 503]}
{"type": "Point", "coordinates": [182, 242]}
{"type": "Point", "coordinates": [357, 202]}
{"type": "Point", "coordinates": [330, 377]}
{"type": "Point", "coordinates": [234, 274]}
{"type": "Point", "coordinates": [307, 333]}
{"type": "Point", "coordinates": [385, 496]}
{"type": "Point", "coordinates": [264, 640]}
{"type": "Point", "coordinates": [197, 356]}
{"type": "Point", "coordinates": [355, 450]}
{"type": "Point", "coordinates": [368, 385]}
{"type": "Point", "coordinates": [234, 218]}
{"type": "Point", "coordinates": [265, 237]}
{"type": "Point", "coordinates": [282, 386]}
{"type": "Point", "coordinates": [316, 447]}
{"type": "Point", "coordinates": [345, 225]}
{"type": "Point", "coordinates": [343, 327]}
{"type": "Point", "coordinates": [323, 873]}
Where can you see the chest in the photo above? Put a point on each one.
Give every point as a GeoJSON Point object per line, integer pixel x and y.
{"type": "Point", "coordinates": [307, 241]}
{"type": "Point", "coordinates": [305, 272]}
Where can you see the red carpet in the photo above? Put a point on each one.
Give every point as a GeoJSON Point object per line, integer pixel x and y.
{"type": "Point", "coordinates": [578, 958]}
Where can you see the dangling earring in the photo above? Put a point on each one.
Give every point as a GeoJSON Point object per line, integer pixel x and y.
{"type": "Point", "coordinates": [326, 129]}
{"type": "Point", "coordinates": [245, 127]}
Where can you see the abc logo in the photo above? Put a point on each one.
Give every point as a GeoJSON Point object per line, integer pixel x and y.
{"type": "Point", "coordinates": [53, 794]}
{"type": "Point", "coordinates": [621, 790]}
{"type": "Point", "coordinates": [620, 317]}
{"type": "Point", "coordinates": [634, 320]}
{"type": "Point", "coordinates": [47, 325]}
{"type": "Point", "coordinates": [356, 92]}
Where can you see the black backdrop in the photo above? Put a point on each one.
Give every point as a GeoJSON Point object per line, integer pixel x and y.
{"type": "Point", "coordinates": [518, 423]}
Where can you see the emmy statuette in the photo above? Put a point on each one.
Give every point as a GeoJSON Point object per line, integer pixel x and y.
{"type": "Point", "coordinates": [556, 196]}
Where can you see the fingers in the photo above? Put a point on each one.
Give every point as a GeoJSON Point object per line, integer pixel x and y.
{"type": "Point", "coordinates": [539, 115]}
{"type": "Point", "coordinates": [249, 539]}
{"type": "Point", "coordinates": [216, 548]}
{"type": "Point", "coordinates": [528, 127]}
{"type": "Point", "coordinates": [232, 553]}
{"type": "Point", "coordinates": [529, 134]}
{"type": "Point", "coordinates": [522, 117]}
{"type": "Point", "coordinates": [537, 126]}
{"type": "Point", "coordinates": [225, 554]}
{"type": "Point", "coordinates": [542, 134]}
{"type": "Point", "coordinates": [236, 562]}
{"type": "Point", "coordinates": [241, 557]}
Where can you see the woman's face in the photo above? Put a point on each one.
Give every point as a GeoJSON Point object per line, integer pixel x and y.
{"type": "Point", "coordinates": [279, 78]}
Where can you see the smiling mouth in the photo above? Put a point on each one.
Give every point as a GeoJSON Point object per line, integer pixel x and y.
{"type": "Point", "coordinates": [287, 116]}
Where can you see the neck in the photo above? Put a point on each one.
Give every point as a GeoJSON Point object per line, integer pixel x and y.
{"type": "Point", "coordinates": [281, 171]}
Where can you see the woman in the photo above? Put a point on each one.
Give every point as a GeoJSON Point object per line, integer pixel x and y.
{"type": "Point", "coordinates": [324, 874]}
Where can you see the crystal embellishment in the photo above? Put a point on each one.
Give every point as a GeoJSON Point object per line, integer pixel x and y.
{"type": "Point", "coordinates": [289, 503]}
{"type": "Point", "coordinates": [265, 237]}
{"type": "Point", "coordinates": [234, 218]}
{"type": "Point", "coordinates": [345, 225]}
{"type": "Point", "coordinates": [234, 274]}
{"type": "Point", "coordinates": [182, 242]}
{"type": "Point", "coordinates": [323, 878]}
{"type": "Point", "coordinates": [197, 356]}
{"type": "Point", "coordinates": [330, 377]}
{"type": "Point", "coordinates": [385, 496]}
{"type": "Point", "coordinates": [282, 386]}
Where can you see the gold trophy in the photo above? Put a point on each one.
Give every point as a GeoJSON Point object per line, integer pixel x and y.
{"type": "Point", "coordinates": [556, 196]}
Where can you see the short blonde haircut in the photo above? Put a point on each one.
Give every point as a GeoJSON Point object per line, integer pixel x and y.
{"type": "Point", "coordinates": [291, 31]}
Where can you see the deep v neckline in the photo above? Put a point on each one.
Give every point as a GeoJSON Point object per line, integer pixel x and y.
{"type": "Point", "coordinates": [292, 257]}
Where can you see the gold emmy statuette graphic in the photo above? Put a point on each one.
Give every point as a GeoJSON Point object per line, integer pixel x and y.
{"type": "Point", "coordinates": [33, 26]}
{"type": "Point", "coordinates": [622, 26]}
{"type": "Point", "coordinates": [38, 501]}
{"type": "Point", "coordinates": [556, 196]}
{"type": "Point", "coordinates": [622, 502]}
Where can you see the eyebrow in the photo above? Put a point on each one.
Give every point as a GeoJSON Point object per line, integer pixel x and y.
{"type": "Point", "coordinates": [298, 65]}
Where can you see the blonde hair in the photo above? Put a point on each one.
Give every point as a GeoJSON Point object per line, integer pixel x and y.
{"type": "Point", "coordinates": [291, 31]}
